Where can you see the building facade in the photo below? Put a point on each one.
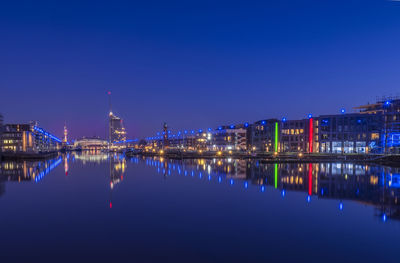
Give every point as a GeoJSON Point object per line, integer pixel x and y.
{"type": "Point", "coordinates": [230, 138]}
{"type": "Point", "coordinates": [264, 136]}
{"type": "Point", "coordinates": [389, 109]}
{"type": "Point", "coordinates": [350, 133]}
{"type": "Point", "coordinates": [28, 138]}
{"type": "Point", "coordinates": [117, 131]}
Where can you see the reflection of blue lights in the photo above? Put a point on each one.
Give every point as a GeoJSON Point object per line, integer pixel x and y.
{"type": "Point", "coordinates": [185, 173]}
{"type": "Point", "coordinates": [322, 191]}
{"type": "Point", "coordinates": [192, 173]}
{"type": "Point", "coordinates": [231, 181]}
{"type": "Point", "coordinates": [246, 184]}
{"type": "Point", "coordinates": [283, 193]}
{"type": "Point", "coordinates": [384, 217]}
{"type": "Point", "coordinates": [209, 177]}
{"type": "Point", "coordinates": [340, 206]}
{"type": "Point", "coordinates": [262, 188]}
{"type": "Point", "coordinates": [219, 179]}
{"type": "Point", "coordinates": [200, 175]}
{"type": "Point", "coordinates": [308, 198]}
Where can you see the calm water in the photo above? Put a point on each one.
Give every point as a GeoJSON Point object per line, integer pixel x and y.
{"type": "Point", "coordinates": [82, 208]}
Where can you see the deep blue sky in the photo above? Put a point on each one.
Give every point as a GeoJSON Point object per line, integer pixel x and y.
{"type": "Point", "coordinates": [194, 64]}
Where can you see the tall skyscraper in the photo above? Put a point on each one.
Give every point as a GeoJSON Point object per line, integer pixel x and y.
{"type": "Point", "coordinates": [117, 131]}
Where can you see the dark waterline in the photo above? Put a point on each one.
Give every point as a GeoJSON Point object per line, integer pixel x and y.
{"type": "Point", "coordinates": [99, 208]}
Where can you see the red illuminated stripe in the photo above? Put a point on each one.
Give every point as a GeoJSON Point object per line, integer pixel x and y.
{"type": "Point", "coordinates": [310, 136]}
{"type": "Point", "coordinates": [309, 179]}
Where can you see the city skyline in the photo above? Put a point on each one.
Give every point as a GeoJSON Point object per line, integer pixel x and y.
{"type": "Point", "coordinates": [209, 65]}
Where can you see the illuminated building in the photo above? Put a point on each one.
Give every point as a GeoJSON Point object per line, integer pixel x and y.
{"type": "Point", "coordinates": [389, 110]}
{"type": "Point", "coordinates": [350, 133]}
{"type": "Point", "coordinates": [264, 136]}
{"type": "Point", "coordinates": [91, 144]}
{"type": "Point", "coordinates": [28, 138]}
{"type": "Point", "coordinates": [117, 130]}
{"type": "Point", "coordinates": [230, 137]}
{"type": "Point", "coordinates": [294, 136]}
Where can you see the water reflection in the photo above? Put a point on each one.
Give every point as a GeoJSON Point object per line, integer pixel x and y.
{"type": "Point", "coordinates": [22, 170]}
{"type": "Point", "coordinates": [377, 186]}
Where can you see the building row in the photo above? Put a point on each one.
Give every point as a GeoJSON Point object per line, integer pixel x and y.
{"type": "Point", "coordinates": [375, 128]}
{"type": "Point", "coordinates": [27, 138]}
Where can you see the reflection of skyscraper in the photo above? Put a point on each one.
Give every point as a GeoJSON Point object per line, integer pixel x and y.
{"type": "Point", "coordinates": [117, 170]}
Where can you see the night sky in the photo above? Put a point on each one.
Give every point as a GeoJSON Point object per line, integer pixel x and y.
{"type": "Point", "coordinates": [193, 64]}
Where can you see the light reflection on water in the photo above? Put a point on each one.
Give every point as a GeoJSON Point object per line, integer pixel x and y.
{"type": "Point", "coordinates": [118, 197]}
{"type": "Point", "coordinates": [377, 186]}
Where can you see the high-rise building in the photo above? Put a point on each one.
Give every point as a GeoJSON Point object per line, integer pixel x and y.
{"type": "Point", "coordinates": [117, 130]}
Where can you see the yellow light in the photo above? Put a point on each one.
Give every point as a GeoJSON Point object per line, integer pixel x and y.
{"type": "Point", "coordinates": [161, 151]}
{"type": "Point", "coordinates": [300, 155]}
{"type": "Point", "coordinates": [275, 153]}
{"type": "Point", "coordinates": [219, 153]}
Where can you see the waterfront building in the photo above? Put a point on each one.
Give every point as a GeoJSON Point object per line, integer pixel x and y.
{"type": "Point", "coordinates": [229, 137]}
{"type": "Point", "coordinates": [389, 109]}
{"type": "Point", "coordinates": [28, 138]}
{"type": "Point", "coordinates": [116, 129]}
{"type": "Point", "coordinates": [350, 133]}
{"type": "Point", "coordinates": [264, 136]}
{"type": "Point", "coordinates": [90, 144]}
{"type": "Point", "coordinates": [299, 135]}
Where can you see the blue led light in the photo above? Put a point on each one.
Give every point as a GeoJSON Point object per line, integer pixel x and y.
{"type": "Point", "coordinates": [308, 198]}
{"type": "Point", "coordinates": [219, 179]}
{"type": "Point", "coordinates": [310, 116]}
{"type": "Point", "coordinates": [283, 193]}
{"type": "Point", "coordinates": [263, 122]}
{"type": "Point", "coordinates": [340, 206]}
{"type": "Point", "coordinates": [262, 188]}
{"type": "Point", "coordinates": [246, 185]}
{"type": "Point", "coordinates": [220, 128]}
{"type": "Point", "coordinates": [200, 130]}
{"type": "Point", "coordinates": [232, 126]}
{"type": "Point", "coordinates": [283, 119]}
{"type": "Point", "coordinates": [186, 131]}
{"type": "Point", "coordinates": [231, 181]}
{"type": "Point", "coordinates": [342, 111]}
{"type": "Point", "coordinates": [209, 129]}
{"type": "Point", "coordinates": [246, 124]}
{"type": "Point", "coordinates": [384, 217]}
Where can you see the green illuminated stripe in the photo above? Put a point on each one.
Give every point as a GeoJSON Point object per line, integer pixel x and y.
{"type": "Point", "coordinates": [276, 136]}
{"type": "Point", "coordinates": [276, 175]}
